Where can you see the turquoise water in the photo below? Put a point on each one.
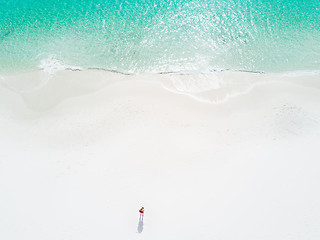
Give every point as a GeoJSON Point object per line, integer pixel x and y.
{"type": "Point", "coordinates": [134, 36]}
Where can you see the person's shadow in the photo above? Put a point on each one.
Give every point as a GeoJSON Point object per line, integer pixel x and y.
{"type": "Point", "coordinates": [140, 225]}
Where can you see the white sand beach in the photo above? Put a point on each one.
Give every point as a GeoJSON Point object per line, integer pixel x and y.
{"type": "Point", "coordinates": [225, 155]}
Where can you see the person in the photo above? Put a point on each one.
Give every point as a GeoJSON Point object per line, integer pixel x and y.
{"type": "Point", "coordinates": [141, 211]}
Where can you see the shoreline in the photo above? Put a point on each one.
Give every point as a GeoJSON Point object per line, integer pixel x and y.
{"type": "Point", "coordinates": [213, 88]}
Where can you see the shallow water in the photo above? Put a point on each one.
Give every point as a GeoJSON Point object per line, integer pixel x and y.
{"type": "Point", "coordinates": [160, 36]}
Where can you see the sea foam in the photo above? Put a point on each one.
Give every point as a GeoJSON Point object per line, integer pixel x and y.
{"type": "Point", "coordinates": [51, 65]}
